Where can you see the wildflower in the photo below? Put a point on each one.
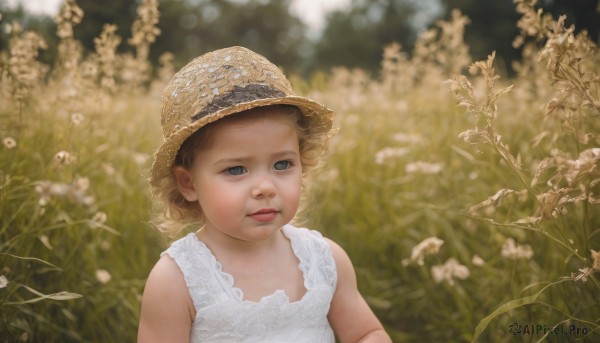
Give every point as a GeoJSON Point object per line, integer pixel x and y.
{"type": "Point", "coordinates": [387, 153]}
{"type": "Point", "coordinates": [429, 246]}
{"type": "Point", "coordinates": [23, 68]}
{"type": "Point", "coordinates": [448, 271]}
{"type": "Point", "coordinates": [98, 219]}
{"type": "Point", "coordinates": [75, 192]}
{"type": "Point", "coordinates": [9, 142]}
{"type": "Point", "coordinates": [514, 251]}
{"type": "Point", "coordinates": [81, 197]}
{"type": "Point", "coordinates": [140, 159]}
{"type": "Point", "coordinates": [70, 15]}
{"type": "Point", "coordinates": [103, 276]}
{"type": "Point", "coordinates": [47, 189]}
{"type": "Point", "coordinates": [583, 274]}
{"type": "Point", "coordinates": [63, 158]}
{"type": "Point", "coordinates": [108, 168]}
{"type": "Point", "coordinates": [585, 165]}
{"type": "Point", "coordinates": [106, 46]}
{"type": "Point", "coordinates": [77, 119]}
{"type": "Point", "coordinates": [3, 281]}
{"type": "Point", "coordinates": [423, 167]}
{"type": "Point", "coordinates": [82, 183]}
{"type": "Point", "coordinates": [477, 261]}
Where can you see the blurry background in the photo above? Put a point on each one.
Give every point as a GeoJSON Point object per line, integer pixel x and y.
{"type": "Point", "coordinates": [302, 35]}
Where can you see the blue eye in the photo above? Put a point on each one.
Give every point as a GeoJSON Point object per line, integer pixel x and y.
{"type": "Point", "coordinates": [237, 170]}
{"type": "Point", "coordinates": [282, 165]}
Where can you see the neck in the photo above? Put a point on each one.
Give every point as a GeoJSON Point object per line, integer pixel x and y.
{"type": "Point", "coordinates": [217, 240]}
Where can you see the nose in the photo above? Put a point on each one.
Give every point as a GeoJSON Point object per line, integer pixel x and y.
{"type": "Point", "coordinates": [264, 188]}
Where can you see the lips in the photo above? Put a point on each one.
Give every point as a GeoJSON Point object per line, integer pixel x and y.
{"type": "Point", "coordinates": [264, 215]}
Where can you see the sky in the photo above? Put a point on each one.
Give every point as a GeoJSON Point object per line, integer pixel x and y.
{"type": "Point", "coordinates": [312, 12]}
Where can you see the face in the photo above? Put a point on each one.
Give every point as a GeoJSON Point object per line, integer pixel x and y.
{"type": "Point", "coordinates": [247, 177]}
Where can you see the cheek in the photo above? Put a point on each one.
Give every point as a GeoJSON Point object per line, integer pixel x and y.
{"type": "Point", "coordinates": [216, 199]}
{"type": "Point", "coordinates": [293, 192]}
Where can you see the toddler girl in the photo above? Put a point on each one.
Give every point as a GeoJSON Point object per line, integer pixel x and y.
{"type": "Point", "coordinates": [238, 144]}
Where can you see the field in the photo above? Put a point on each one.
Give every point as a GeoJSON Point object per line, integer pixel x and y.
{"type": "Point", "coordinates": [469, 202]}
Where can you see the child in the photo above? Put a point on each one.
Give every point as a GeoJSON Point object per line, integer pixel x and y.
{"type": "Point", "coordinates": [238, 144]}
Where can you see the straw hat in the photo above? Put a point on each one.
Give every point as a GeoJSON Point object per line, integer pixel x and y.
{"type": "Point", "coordinates": [216, 85]}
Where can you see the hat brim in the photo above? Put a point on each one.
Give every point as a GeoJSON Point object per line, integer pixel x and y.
{"type": "Point", "coordinates": [319, 117]}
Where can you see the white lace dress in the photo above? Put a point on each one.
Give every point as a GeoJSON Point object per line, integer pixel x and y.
{"type": "Point", "coordinates": [221, 314]}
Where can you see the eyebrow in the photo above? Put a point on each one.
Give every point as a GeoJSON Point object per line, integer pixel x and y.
{"type": "Point", "coordinates": [243, 159]}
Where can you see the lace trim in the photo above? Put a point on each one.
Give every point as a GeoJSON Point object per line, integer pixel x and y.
{"type": "Point", "coordinates": [199, 266]}
{"type": "Point", "coordinates": [298, 251]}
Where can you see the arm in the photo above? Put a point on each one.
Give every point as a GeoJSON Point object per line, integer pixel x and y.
{"type": "Point", "coordinates": [167, 307]}
{"type": "Point", "coordinates": [350, 315]}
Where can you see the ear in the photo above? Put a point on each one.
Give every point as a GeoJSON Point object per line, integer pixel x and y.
{"type": "Point", "coordinates": [185, 183]}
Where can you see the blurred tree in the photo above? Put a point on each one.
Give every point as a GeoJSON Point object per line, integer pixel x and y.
{"type": "Point", "coordinates": [192, 27]}
{"type": "Point", "coordinates": [492, 28]}
{"type": "Point", "coordinates": [355, 37]}
{"type": "Point", "coordinates": [493, 24]}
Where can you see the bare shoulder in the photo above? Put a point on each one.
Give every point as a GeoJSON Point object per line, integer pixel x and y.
{"type": "Point", "coordinates": [343, 263]}
{"type": "Point", "coordinates": [350, 315]}
{"type": "Point", "coordinates": [167, 308]}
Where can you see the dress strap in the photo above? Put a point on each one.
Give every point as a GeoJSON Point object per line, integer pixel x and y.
{"type": "Point", "coordinates": [314, 253]}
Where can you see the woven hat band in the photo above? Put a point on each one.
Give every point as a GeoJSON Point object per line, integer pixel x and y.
{"type": "Point", "coordinates": [237, 95]}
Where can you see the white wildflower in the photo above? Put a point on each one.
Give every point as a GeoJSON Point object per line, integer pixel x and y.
{"type": "Point", "coordinates": [103, 276]}
{"type": "Point", "coordinates": [140, 159]}
{"type": "Point", "coordinates": [423, 167]}
{"type": "Point", "coordinates": [3, 281]}
{"type": "Point", "coordinates": [82, 183]}
{"type": "Point", "coordinates": [448, 271]}
{"type": "Point", "coordinates": [98, 219]}
{"type": "Point", "coordinates": [47, 189]}
{"type": "Point", "coordinates": [77, 118]}
{"type": "Point", "coordinates": [9, 142]}
{"type": "Point", "coordinates": [386, 153]}
{"type": "Point", "coordinates": [513, 251]}
{"type": "Point", "coordinates": [429, 246]}
{"type": "Point", "coordinates": [76, 191]}
{"type": "Point", "coordinates": [108, 168]}
{"type": "Point", "coordinates": [478, 261]}
{"type": "Point", "coordinates": [584, 273]}
{"type": "Point", "coordinates": [63, 158]}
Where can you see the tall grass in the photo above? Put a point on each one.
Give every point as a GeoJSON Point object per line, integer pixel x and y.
{"type": "Point", "coordinates": [468, 204]}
